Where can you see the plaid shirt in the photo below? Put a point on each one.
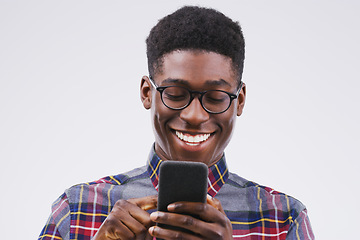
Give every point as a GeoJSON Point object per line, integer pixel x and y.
{"type": "Point", "coordinates": [256, 212]}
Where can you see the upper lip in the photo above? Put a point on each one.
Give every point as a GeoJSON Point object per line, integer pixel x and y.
{"type": "Point", "coordinates": [193, 132]}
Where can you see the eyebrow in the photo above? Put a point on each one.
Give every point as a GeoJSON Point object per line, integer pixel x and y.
{"type": "Point", "coordinates": [220, 82]}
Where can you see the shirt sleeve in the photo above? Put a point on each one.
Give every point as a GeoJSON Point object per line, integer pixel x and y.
{"type": "Point", "coordinates": [301, 229]}
{"type": "Point", "coordinates": [58, 224]}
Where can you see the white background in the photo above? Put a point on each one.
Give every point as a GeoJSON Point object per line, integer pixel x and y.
{"type": "Point", "coordinates": [70, 110]}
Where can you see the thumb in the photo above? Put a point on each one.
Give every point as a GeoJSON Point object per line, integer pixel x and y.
{"type": "Point", "coordinates": [145, 203]}
{"type": "Point", "coordinates": [215, 203]}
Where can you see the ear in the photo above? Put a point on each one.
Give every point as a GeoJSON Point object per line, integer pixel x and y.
{"type": "Point", "coordinates": [145, 92]}
{"type": "Point", "coordinates": [241, 100]}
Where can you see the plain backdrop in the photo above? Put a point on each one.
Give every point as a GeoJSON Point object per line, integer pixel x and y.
{"type": "Point", "coordinates": [70, 110]}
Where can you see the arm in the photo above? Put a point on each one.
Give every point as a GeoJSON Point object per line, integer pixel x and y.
{"type": "Point", "coordinates": [58, 224]}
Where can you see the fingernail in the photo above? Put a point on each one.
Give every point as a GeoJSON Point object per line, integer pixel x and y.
{"type": "Point", "coordinates": [154, 216]}
{"type": "Point", "coordinates": [171, 207]}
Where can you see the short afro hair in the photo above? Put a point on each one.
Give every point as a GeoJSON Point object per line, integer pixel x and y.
{"type": "Point", "coordinates": [196, 28]}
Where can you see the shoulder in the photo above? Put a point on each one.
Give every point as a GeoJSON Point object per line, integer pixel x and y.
{"type": "Point", "coordinates": [255, 195]}
{"type": "Point", "coordinates": [123, 178]}
{"type": "Point", "coordinates": [118, 179]}
{"type": "Point", "coordinates": [247, 202]}
{"type": "Point", "coordinates": [95, 198]}
{"type": "Point", "coordinates": [107, 185]}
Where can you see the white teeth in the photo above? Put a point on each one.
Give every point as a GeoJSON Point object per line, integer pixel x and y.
{"type": "Point", "coordinates": [192, 139]}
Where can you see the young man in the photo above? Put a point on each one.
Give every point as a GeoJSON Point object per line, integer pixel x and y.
{"type": "Point", "coordinates": [195, 94]}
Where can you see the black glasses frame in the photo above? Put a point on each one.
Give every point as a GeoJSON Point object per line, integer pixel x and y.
{"type": "Point", "coordinates": [201, 93]}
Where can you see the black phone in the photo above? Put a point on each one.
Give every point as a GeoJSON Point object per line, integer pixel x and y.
{"type": "Point", "coordinates": [181, 181]}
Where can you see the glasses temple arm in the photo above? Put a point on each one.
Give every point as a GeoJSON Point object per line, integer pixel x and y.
{"type": "Point", "coordinates": [239, 90]}
{"type": "Point", "coordinates": [152, 82]}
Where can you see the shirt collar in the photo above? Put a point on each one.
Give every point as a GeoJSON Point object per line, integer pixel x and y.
{"type": "Point", "coordinates": [218, 173]}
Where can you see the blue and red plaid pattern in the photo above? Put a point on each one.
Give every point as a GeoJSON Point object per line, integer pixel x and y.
{"type": "Point", "coordinates": [218, 173]}
{"type": "Point", "coordinates": [256, 212]}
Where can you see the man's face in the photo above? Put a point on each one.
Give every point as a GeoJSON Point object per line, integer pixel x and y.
{"type": "Point", "coordinates": [192, 134]}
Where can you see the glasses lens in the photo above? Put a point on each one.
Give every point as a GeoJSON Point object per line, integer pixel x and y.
{"type": "Point", "coordinates": [216, 101]}
{"type": "Point", "coordinates": [176, 97]}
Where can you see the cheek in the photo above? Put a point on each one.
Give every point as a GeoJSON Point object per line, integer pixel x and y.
{"type": "Point", "coordinates": [227, 122]}
{"type": "Point", "coordinates": [160, 116]}
{"type": "Point", "coordinates": [229, 117]}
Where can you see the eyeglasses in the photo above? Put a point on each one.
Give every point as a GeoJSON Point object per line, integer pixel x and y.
{"type": "Point", "coordinates": [178, 98]}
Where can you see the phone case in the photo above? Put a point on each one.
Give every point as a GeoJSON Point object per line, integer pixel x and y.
{"type": "Point", "coordinates": [181, 181]}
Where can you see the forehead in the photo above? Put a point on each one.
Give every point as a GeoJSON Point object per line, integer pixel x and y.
{"type": "Point", "coordinates": [197, 67]}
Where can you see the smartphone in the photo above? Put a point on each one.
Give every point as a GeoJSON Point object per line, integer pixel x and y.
{"type": "Point", "coordinates": [181, 181]}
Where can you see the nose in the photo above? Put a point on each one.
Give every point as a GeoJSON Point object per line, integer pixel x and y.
{"type": "Point", "coordinates": [194, 114]}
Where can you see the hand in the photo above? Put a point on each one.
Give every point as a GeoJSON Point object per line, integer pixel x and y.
{"type": "Point", "coordinates": [213, 223]}
{"type": "Point", "coordinates": [128, 220]}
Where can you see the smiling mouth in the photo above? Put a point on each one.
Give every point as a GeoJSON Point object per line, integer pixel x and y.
{"type": "Point", "coordinates": [192, 140]}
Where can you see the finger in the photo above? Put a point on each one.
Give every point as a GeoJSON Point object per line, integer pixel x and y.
{"type": "Point", "coordinates": [138, 206]}
{"type": "Point", "coordinates": [128, 220]}
{"type": "Point", "coordinates": [215, 203]}
{"type": "Point", "coordinates": [145, 203]}
{"type": "Point", "coordinates": [132, 217]}
{"type": "Point", "coordinates": [175, 219]}
{"type": "Point", "coordinates": [205, 211]}
{"type": "Point", "coordinates": [206, 230]}
{"type": "Point", "coordinates": [165, 234]}
{"type": "Point", "coordinates": [193, 225]}
{"type": "Point", "coordinates": [113, 228]}
{"type": "Point", "coordinates": [129, 212]}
